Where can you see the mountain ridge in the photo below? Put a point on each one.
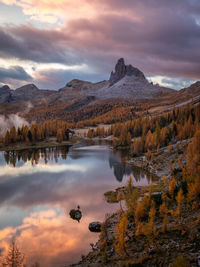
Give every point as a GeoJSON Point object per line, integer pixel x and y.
{"type": "Point", "coordinates": [126, 86]}
{"type": "Point", "coordinates": [126, 81]}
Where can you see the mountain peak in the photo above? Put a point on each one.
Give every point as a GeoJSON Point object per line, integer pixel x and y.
{"type": "Point", "coordinates": [122, 70]}
{"type": "Point", "coordinates": [27, 87]}
{"type": "Point", "coordinates": [4, 94]}
{"type": "Point", "coordinates": [5, 88]}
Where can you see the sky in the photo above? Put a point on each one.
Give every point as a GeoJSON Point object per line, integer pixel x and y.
{"type": "Point", "coordinates": [50, 42]}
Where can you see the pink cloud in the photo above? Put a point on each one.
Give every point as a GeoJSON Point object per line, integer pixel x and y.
{"type": "Point", "coordinates": [160, 39]}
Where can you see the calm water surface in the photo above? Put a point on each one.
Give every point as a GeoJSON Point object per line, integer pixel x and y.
{"type": "Point", "coordinates": [39, 187]}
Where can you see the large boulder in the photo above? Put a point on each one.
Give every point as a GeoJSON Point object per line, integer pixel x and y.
{"type": "Point", "coordinates": [95, 227]}
{"type": "Point", "coordinates": [75, 214]}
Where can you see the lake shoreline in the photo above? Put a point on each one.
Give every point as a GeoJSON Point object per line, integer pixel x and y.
{"type": "Point", "coordinates": [37, 145]}
{"type": "Point", "coordinates": [159, 165]}
{"type": "Point", "coordinates": [162, 251]}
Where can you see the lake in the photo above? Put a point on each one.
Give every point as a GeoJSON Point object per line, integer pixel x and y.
{"type": "Point", "coordinates": [39, 187]}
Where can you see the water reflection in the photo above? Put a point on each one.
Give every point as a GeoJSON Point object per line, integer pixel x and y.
{"type": "Point", "coordinates": [117, 160]}
{"type": "Point", "coordinates": [120, 168]}
{"type": "Point", "coordinates": [38, 188]}
{"type": "Point", "coordinates": [34, 155]}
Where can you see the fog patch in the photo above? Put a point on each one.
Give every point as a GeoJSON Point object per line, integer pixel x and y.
{"type": "Point", "coordinates": [6, 122]}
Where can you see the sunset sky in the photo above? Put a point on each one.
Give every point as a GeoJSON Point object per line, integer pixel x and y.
{"type": "Point", "coordinates": [50, 42]}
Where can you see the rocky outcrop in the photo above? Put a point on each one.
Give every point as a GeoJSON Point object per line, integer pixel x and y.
{"type": "Point", "coordinates": [27, 92]}
{"type": "Point", "coordinates": [75, 214]}
{"type": "Point", "coordinates": [129, 82]}
{"type": "Point", "coordinates": [95, 227]}
{"type": "Point", "coordinates": [77, 84]}
{"type": "Point", "coordinates": [5, 94]}
{"type": "Point", "coordinates": [80, 85]}
{"type": "Point", "coordinates": [122, 70]}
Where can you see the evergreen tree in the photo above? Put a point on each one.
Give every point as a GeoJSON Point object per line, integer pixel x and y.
{"type": "Point", "coordinates": [29, 135]}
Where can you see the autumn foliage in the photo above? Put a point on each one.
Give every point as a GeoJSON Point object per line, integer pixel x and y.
{"type": "Point", "coordinates": [36, 132]}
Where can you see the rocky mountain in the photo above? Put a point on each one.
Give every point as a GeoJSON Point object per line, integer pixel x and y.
{"type": "Point", "coordinates": [126, 83]}
{"type": "Point", "coordinates": [122, 70]}
{"type": "Point", "coordinates": [81, 85]}
{"type": "Point", "coordinates": [27, 92]}
{"type": "Point", "coordinates": [192, 89]}
{"type": "Point", "coordinates": [185, 96]}
{"type": "Point", "coordinates": [24, 93]}
{"type": "Point", "coordinates": [5, 93]}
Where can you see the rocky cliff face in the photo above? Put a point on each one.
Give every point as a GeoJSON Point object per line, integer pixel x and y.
{"type": "Point", "coordinates": [5, 93]}
{"type": "Point", "coordinates": [130, 83]}
{"type": "Point", "coordinates": [122, 70]}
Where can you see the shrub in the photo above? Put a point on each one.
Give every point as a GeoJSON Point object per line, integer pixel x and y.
{"type": "Point", "coordinates": [180, 262]}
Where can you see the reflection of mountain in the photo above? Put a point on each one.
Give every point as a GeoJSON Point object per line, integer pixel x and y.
{"type": "Point", "coordinates": [120, 169]}
{"type": "Point", "coordinates": [33, 206]}
{"type": "Point", "coordinates": [34, 199]}
{"type": "Point", "coordinates": [138, 173]}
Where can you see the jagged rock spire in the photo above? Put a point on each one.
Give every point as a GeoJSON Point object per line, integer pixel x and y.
{"type": "Point", "coordinates": [122, 70]}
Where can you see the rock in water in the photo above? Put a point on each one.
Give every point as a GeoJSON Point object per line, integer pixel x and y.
{"type": "Point", "coordinates": [95, 227]}
{"type": "Point", "coordinates": [75, 214]}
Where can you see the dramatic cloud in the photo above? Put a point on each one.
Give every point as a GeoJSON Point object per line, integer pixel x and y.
{"type": "Point", "coordinates": [57, 78]}
{"type": "Point", "coordinates": [51, 11]}
{"type": "Point", "coordinates": [161, 38]}
{"type": "Point", "coordinates": [28, 43]}
{"type": "Point", "coordinates": [14, 72]}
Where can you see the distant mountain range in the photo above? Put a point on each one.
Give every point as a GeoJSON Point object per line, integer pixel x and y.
{"type": "Point", "coordinates": [126, 82]}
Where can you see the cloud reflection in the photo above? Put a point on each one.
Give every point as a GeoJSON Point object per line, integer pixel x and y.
{"type": "Point", "coordinates": [29, 168]}
{"type": "Point", "coordinates": [50, 238]}
{"type": "Point", "coordinates": [35, 200]}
